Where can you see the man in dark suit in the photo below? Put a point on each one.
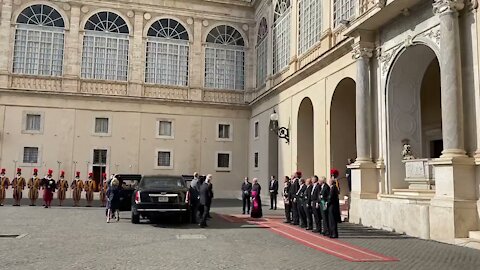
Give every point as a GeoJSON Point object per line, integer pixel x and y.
{"type": "Point", "coordinates": [316, 204]}
{"type": "Point", "coordinates": [292, 197]}
{"type": "Point", "coordinates": [307, 203]}
{"type": "Point", "coordinates": [273, 192]}
{"type": "Point", "coordinates": [208, 180]}
{"type": "Point", "coordinates": [300, 196]}
{"type": "Point", "coordinates": [205, 196]}
{"type": "Point", "coordinates": [246, 194]}
{"type": "Point", "coordinates": [324, 195]}
{"type": "Point", "coordinates": [194, 198]}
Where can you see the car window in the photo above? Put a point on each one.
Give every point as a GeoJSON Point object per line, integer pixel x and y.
{"type": "Point", "coordinates": [164, 182]}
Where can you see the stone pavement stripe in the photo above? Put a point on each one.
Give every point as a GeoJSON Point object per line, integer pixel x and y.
{"type": "Point", "coordinates": [338, 248]}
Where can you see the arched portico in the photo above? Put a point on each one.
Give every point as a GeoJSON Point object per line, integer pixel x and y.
{"type": "Point", "coordinates": [413, 116]}
{"type": "Point", "coordinates": [305, 147]}
{"type": "Point", "coordinates": [342, 129]}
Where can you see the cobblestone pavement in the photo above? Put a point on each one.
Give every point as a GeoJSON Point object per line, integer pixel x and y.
{"type": "Point", "coordinates": [79, 238]}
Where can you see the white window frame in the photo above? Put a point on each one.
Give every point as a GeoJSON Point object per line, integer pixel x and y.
{"type": "Point", "coordinates": [39, 156]}
{"type": "Point", "coordinates": [343, 10]}
{"type": "Point", "coordinates": [309, 25]}
{"type": "Point", "coordinates": [172, 129]}
{"type": "Point", "coordinates": [24, 122]}
{"type": "Point", "coordinates": [281, 41]}
{"type": "Point", "coordinates": [109, 133]}
{"type": "Point", "coordinates": [230, 138]}
{"type": "Point", "coordinates": [92, 152]}
{"type": "Point", "coordinates": [256, 130]}
{"type": "Point", "coordinates": [257, 156]}
{"type": "Point", "coordinates": [170, 167]}
{"type": "Point", "coordinates": [218, 169]}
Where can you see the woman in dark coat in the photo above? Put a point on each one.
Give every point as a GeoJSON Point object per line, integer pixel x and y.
{"type": "Point", "coordinates": [333, 209]}
{"type": "Point", "coordinates": [113, 197]}
{"type": "Point", "coordinates": [256, 200]}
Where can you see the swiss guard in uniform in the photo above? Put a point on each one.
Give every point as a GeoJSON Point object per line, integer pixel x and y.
{"type": "Point", "coordinates": [77, 187]}
{"type": "Point", "coordinates": [62, 186]}
{"type": "Point", "coordinates": [103, 190]}
{"type": "Point", "coordinates": [4, 183]}
{"type": "Point", "coordinates": [33, 187]}
{"type": "Point", "coordinates": [89, 187]}
{"type": "Point", "coordinates": [334, 176]}
{"type": "Point", "coordinates": [18, 185]}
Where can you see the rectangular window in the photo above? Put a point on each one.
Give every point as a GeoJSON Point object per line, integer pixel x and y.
{"type": "Point", "coordinates": [224, 131]}
{"type": "Point", "coordinates": [255, 130]}
{"type": "Point", "coordinates": [33, 122]}
{"type": "Point", "coordinates": [101, 125]}
{"type": "Point", "coordinates": [343, 10]}
{"type": "Point", "coordinates": [310, 24]}
{"type": "Point", "coordinates": [223, 160]}
{"type": "Point", "coordinates": [165, 128]}
{"type": "Point", "coordinates": [224, 67]}
{"type": "Point", "coordinates": [99, 157]}
{"type": "Point", "coordinates": [30, 155]}
{"type": "Point", "coordinates": [262, 60]}
{"type": "Point", "coordinates": [164, 159]}
{"type": "Point", "coordinates": [167, 62]}
{"type": "Point", "coordinates": [255, 161]}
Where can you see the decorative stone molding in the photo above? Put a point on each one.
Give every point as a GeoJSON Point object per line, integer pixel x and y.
{"type": "Point", "coordinates": [223, 96]}
{"type": "Point", "coordinates": [190, 21]}
{"type": "Point", "coordinates": [130, 14]}
{"type": "Point", "coordinates": [361, 51]}
{"type": "Point", "coordinates": [447, 6]}
{"type": "Point", "coordinates": [434, 35]}
{"type": "Point", "coordinates": [408, 41]}
{"type": "Point", "coordinates": [167, 93]}
{"type": "Point", "coordinates": [245, 27]}
{"type": "Point", "coordinates": [205, 23]}
{"type": "Point", "coordinates": [472, 4]}
{"type": "Point", "coordinates": [36, 83]}
{"type": "Point", "coordinates": [386, 58]}
{"type": "Point", "coordinates": [147, 16]}
{"type": "Point", "coordinates": [85, 9]}
{"type": "Point", "coordinates": [104, 88]}
{"type": "Point", "coordinates": [66, 7]}
{"type": "Point", "coordinates": [381, 3]}
{"type": "Point", "coordinates": [17, 2]}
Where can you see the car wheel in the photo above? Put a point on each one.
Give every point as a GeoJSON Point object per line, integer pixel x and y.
{"type": "Point", "coordinates": [135, 218]}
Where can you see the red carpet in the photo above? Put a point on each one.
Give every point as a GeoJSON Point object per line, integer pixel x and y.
{"type": "Point", "coordinates": [316, 241]}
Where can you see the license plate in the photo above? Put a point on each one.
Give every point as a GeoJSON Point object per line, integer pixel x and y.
{"type": "Point", "coordinates": [163, 199]}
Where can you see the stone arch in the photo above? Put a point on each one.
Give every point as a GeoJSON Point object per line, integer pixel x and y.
{"type": "Point", "coordinates": [404, 87]}
{"type": "Point", "coordinates": [97, 10]}
{"type": "Point", "coordinates": [207, 30]}
{"type": "Point", "coordinates": [342, 128]}
{"type": "Point", "coordinates": [305, 137]}
{"type": "Point", "coordinates": [157, 18]}
{"type": "Point", "coordinates": [60, 10]}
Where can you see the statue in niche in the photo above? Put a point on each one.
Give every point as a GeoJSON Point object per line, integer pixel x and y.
{"type": "Point", "coordinates": [407, 150]}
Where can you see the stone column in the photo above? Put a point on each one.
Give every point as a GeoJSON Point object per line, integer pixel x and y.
{"type": "Point", "coordinates": [73, 55]}
{"type": "Point", "coordinates": [451, 77]}
{"type": "Point", "coordinates": [137, 63]}
{"type": "Point", "coordinates": [5, 44]}
{"type": "Point", "coordinates": [453, 209]}
{"type": "Point", "coordinates": [362, 54]}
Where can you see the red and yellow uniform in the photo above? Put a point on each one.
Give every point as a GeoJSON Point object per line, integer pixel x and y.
{"type": "Point", "coordinates": [89, 187]}
{"type": "Point", "coordinates": [62, 186]}
{"type": "Point", "coordinates": [77, 188]}
{"type": "Point", "coordinates": [33, 185]}
{"type": "Point", "coordinates": [18, 185]}
{"type": "Point", "coordinates": [4, 183]}
{"type": "Point", "coordinates": [103, 190]}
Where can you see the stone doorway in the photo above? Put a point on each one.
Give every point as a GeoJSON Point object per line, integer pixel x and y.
{"type": "Point", "coordinates": [305, 155]}
{"type": "Point", "coordinates": [413, 114]}
{"type": "Point", "coordinates": [342, 130]}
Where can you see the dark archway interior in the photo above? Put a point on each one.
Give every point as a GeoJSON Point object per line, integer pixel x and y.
{"type": "Point", "coordinates": [305, 149]}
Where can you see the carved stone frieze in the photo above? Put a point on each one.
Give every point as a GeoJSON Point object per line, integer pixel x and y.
{"type": "Point", "coordinates": [387, 57]}
{"type": "Point", "coordinates": [34, 83]}
{"type": "Point", "coordinates": [434, 35]}
{"type": "Point", "coordinates": [103, 88]}
{"type": "Point", "coordinates": [167, 93]}
{"type": "Point", "coordinates": [223, 96]}
{"type": "Point", "coordinates": [447, 6]}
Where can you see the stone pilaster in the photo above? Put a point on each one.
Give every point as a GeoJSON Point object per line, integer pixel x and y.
{"type": "Point", "coordinates": [197, 60]}
{"type": "Point", "coordinates": [453, 210]}
{"type": "Point", "coordinates": [137, 63]}
{"type": "Point", "coordinates": [72, 51]}
{"type": "Point", "coordinates": [5, 44]}
{"type": "Point", "coordinates": [293, 37]}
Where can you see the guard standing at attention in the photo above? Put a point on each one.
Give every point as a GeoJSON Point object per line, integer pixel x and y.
{"type": "Point", "coordinates": [77, 187]}
{"type": "Point", "coordinates": [103, 190]}
{"type": "Point", "coordinates": [62, 186]}
{"type": "Point", "coordinates": [4, 183]}
{"type": "Point", "coordinates": [33, 187]}
{"type": "Point", "coordinates": [18, 185]}
{"type": "Point", "coordinates": [89, 187]}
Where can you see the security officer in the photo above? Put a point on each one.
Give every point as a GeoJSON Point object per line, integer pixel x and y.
{"type": "Point", "coordinates": [4, 183]}
{"type": "Point", "coordinates": [18, 185]}
{"type": "Point", "coordinates": [77, 187]}
{"type": "Point", "coordinates": [89, 188]}
{"type": "Point", "coordinates": [33, 187]}
{"type": "Point", "coordinates": [62, 186]}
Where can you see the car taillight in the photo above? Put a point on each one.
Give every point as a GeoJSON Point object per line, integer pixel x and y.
{"type": "Point", "coordinates": [187, 197]}
{"type": "Point", "coordinates": [137, 197]}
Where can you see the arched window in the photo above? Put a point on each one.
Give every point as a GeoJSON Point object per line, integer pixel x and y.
{"type": "Point", "coordinates": [343, 10]}
{"type": "Point", "coordinates": [167, 53]}
{"type": "Point", "coordinates": [262, 56]}
{"type": "Point", "coordinates": [105, 47]}
{"type": "Point", "coordinates": [225, 59]}
{"type": "Point", "coordinates": [281, 35]}
{"type": "Point", "coordinates": [310, 24]}
{"type": "Point", "coordinates": [39, 42]}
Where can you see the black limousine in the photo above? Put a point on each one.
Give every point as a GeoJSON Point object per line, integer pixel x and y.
{"type": "Point", "coordinates": [160, 195]}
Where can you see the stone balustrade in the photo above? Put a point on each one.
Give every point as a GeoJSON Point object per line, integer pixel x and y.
{"type": "Point", "coordinates": [167, 93]}
{"type": "Point", "coordinates": [419, 174]}
{"type": "Point", "coordinates": [36, 83]}
{"type": "Point", "coordinates": [103, 88]}
{"type": "Point", "coordinates": [218, 96]}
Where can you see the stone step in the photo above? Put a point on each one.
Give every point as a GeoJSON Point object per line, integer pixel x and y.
{"type": "Point", "coordinates": [414, 192]}
{"type": "Point", "coordinates": [468, 242]}
{"type": "Point", "coordinates": [474, 235]}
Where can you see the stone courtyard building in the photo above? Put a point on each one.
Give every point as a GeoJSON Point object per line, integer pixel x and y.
{"type": "Point", "coordinates": [172, 87]}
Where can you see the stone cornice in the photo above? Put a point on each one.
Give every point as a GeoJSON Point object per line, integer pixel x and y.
{"type": "Point", "coordinates": [447, 6]}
